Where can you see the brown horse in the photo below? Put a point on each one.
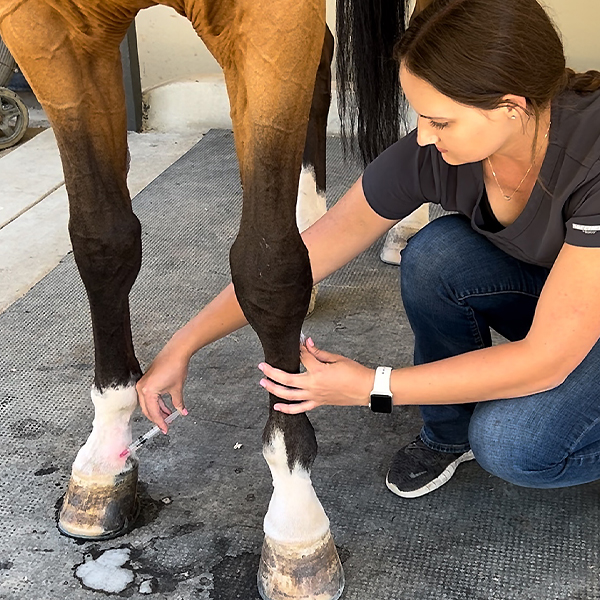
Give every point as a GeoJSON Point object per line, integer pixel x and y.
{"type": "Point", "coordinates": [276, 57]}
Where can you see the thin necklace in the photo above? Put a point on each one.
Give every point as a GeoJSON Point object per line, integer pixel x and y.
{"type": "Point", "coordinates": [508, 198]}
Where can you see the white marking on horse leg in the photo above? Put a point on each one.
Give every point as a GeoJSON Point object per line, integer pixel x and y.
{"type": "Point", "coordinates": [295, 514]}
{"type": "Point", "coordinates": [398, 235]}
{"type": "Point", "coordinates": [111, 433]}
{"type": "Point", "coordinates": [311, 204]}
{"type": "Point", "coordinates": [310, 207]}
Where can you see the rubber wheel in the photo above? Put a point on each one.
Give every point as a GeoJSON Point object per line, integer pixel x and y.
{"type": "Point", "coordinates": [7, 64]}
{"type": "Point", "coordinates": [14, 118]}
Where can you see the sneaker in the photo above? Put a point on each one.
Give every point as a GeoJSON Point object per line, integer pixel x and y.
{"type": "Point", "coordinates": [417, 470]}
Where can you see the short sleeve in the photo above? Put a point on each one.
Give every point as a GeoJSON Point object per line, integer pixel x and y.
{"type": "Point", "coordinates": [391, 182]}
{"type": "Point", "coordinates": [583, 225]}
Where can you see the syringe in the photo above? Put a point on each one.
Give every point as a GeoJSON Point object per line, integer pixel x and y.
{"type": "Point", "coordinates": [147, 436]}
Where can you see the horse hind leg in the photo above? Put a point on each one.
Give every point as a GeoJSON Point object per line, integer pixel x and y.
{"type": "Point", "coordinates": [397, 237]}
{"type": "Point", "coordinates": [311, 204]}
{"type": "Point", "coordinates": [80, 86]}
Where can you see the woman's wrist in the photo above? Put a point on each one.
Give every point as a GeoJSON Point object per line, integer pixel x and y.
{"type": "Point", "coordinates": [370, 379]}
{"type": "Point", "coordinates": [179, 347]}
{"type": "Point", "coordinates": [396, 385]}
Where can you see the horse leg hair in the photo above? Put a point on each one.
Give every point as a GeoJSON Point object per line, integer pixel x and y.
{"type": "Point", "coordinates": [74, 68]}
{"type": "Point", "coordinates": [269, 263]}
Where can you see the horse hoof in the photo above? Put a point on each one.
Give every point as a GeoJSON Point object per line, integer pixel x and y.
{"type": "Point", "coordinates": [298, 572]}
{"type": "Point", "coordinates": [395, 242]}
{"type": "Point", "coordinates": [100, 508]}
{"type": "Point", "coordinates": [313, 300]}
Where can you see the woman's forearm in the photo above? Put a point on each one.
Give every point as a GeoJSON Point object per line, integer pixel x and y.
{"type": "Point", "coordinates": [346, 230]}
{"type": "Point", "coordinates": [218, 318]}
{"type": "Point", "coordinates": [510, 370]}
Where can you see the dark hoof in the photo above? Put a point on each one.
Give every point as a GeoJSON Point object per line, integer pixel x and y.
{"type": "Point", "coordinates": [100, 508]}
{"type": "Point", "coordinates": [298, 572]}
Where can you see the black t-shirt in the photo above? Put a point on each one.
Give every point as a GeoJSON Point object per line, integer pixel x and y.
{"type": "Point", "coordinates": [566, 208]}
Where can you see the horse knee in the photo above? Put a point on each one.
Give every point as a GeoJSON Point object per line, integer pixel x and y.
{"type": "Point", "coordinates": [273, 283]}
{"type": "Point", "coordinates": [272, 280]}
{"type": "Point", "coordinates": [107, 249]}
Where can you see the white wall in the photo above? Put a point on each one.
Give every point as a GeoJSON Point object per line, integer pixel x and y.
{"type": "Point", "coordinates": [170, 49]}
{"type": "Point", "coordinates": [578, 21]}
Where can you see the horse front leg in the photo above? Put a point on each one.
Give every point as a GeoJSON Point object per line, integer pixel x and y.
{"type": "Point", "coordinates": [272, 276]}
{"type": "Point", "coordinates": [79, 83]}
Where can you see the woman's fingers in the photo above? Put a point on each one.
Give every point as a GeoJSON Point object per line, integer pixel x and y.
{"type": "Point", "coordinates": [283, 377]}
{"type": "Point", "coordinates": [282, 391]}
{"type": "Point", "coordinates": [321, 355]}
{"type": "Point", "coordinates": [163, 407]}
{"type": "Point", "coordinates": [178, 404]}
{"type": "Point", "coordinates": [154, 408]}
{"type": "Point", "coordinates": [324, 382]}
{"type": "Point", "coordinates": [309, 360]}
{"type": "Point", "coordinates": [295, 409]}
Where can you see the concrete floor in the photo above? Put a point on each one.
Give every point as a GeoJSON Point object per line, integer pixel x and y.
{"type": "Point", "coordinates": [205, 487]}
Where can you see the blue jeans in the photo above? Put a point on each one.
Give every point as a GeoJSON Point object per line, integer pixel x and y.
{"type": "Point", "coordinates": [456, 285]}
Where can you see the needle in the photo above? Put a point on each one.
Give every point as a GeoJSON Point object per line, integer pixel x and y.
{"type": "Point", "coordinates": [147, 436]}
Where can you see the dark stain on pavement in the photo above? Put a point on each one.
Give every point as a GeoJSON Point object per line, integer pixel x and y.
{"type": "Point", "coordinates": [46, 471]}
{"type": "Point", "coordinates": [234, 578]}
{"type": "Point", "coordinates": [28, 429]}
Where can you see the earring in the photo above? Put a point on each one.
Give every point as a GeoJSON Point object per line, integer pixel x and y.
{"type": "Point", "coordinates": [513, 116]}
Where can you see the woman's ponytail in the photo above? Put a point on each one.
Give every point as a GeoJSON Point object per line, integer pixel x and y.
{"type": "Point", "coordinates": [582, 83]}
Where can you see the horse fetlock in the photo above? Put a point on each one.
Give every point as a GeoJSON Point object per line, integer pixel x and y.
{"type": "Point", "coordinates": [111, 433]}
{"type": "Point", "coordinates": [398, 236]}
{"type": "Point", "coordinates": [101, 500]}
{"type": "Point", "coordinates": [299, 560]}
{"type": "Point", "coordinates": [295, 514]}
{"type": "Point", "coordinates": [311, 204]}
{"type": "Point", "coordinates": [310, 207]}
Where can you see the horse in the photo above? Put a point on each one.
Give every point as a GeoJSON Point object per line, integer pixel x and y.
{"type": "Point", "coordinates": [276, 57]}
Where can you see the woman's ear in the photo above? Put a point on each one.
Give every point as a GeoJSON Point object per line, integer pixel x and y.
{"type": "Point", "coordinates": [514, 106]}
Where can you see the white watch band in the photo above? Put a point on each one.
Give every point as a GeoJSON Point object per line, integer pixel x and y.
{"type": "Point", "coordinates": [381, 385]}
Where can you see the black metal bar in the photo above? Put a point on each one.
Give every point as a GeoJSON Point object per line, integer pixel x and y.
{"type": "Point", "coordinates": [131, 79]}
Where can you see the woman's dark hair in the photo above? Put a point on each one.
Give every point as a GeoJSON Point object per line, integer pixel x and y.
{"type": "Point", "coordinates": [478, 51]}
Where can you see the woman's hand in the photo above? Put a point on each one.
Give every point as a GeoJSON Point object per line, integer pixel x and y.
{"type": "Point", "coordinates": [166, 375]}
{"type": "Point", "coordinates": [329, 379]}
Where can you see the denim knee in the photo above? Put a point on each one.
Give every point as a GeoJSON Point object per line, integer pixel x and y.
{"type": "Point", "coordinates": [511, 453]}
{"type": "Point", "coordinates": [431, 256]}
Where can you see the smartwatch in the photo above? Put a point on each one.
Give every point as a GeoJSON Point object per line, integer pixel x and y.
{"type": "Point", "coordinates": [381, 395]}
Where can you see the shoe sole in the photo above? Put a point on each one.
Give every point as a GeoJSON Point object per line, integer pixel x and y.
{"type": "Point", "coordinates": [434, 484]}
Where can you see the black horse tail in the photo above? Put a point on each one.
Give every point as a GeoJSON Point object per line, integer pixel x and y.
{"type": "Point", "coordinates": [370, 101]}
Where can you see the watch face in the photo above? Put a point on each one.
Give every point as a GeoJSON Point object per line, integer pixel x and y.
{"type": "Point", "coordinates": [381, 403]}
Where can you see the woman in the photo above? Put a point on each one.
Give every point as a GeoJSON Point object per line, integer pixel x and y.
{"type": "Point", "coordinates": [510, 140]}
